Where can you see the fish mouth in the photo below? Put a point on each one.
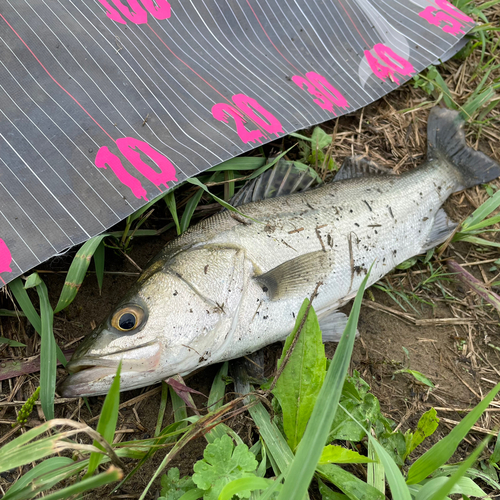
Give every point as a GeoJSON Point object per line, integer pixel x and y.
{"type": "Point", "coordinates": [93, 375]}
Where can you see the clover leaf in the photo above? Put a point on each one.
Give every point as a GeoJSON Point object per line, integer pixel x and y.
{"type": "Point", "coordinates": [222, 463]}
{"type": "Point", "coordinates": [172, 488]}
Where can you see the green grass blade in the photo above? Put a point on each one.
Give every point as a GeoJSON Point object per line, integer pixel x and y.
{"type": "Point", "coordinates": [396, 481]}
{"type": "Point", "coordinates": [216, 396]}
{"type": "Point", "coordinates": [482, 211]}
{"type": "Point", "coordinates": [178, 406]}
{"type": "Point", "coordinates": [189, 210]}
{"type": "Point", "coordinates": [353, 487]}
{"type": "Point", "coordinates": [375, 470]}
{"type": "Point", "coordinates": [300, 473]}
{"type": "Point", "coordinates": [77, 272]}
{"type": "Point", "coordinates": [172, 206]}
{"type": "Point", "coordinates": [163, 406]}
{"type": "Point", "coordinates": [273, 439]}
{"type": "Point", "coordinates": [16, 491]}
{"type": "Point", "coordinates": [11, 343]}
{"type": "Point", "coordinates": [269, 165]}
{"type": "Point", "coordinates": [21, 295]}
{"type": "Point", "coordinates": [429, 490]}
{"type": "Point", "coordinates": [111, 475]}
{"type": "Point", "coordinates": [241, 163]}
{"type": "Point", "coordinates": [107, 421]}
{"type": "Point", "coordinates": [442, 451]}
{"type": "Point", "coordinates": [48, 355]}
{"type": "Point", "coordinates": [99, 255]}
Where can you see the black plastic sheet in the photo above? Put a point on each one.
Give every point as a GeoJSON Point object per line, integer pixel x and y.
{"type": "Point", "coordinates": [104, 104]}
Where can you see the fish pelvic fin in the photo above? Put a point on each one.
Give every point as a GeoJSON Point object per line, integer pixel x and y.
{"type": "Point", "coordinates": [442, 228]}
{"type": "Point", "coordinates": [446, 141]}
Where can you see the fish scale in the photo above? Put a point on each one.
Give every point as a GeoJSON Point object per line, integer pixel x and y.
{"type": "Point", "coordinates": [232, 284]}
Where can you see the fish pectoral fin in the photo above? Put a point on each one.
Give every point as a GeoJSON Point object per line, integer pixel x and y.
{"type": "Point", "coordinates": [359, 166]}
{"type": "Point", "coordinates": [442, 228]}
{"type": "Point", "coordinates": [298, 276]}
{"type": "Point", "coordinates": [333, 326]}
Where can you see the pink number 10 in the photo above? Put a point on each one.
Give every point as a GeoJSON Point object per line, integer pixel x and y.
{"type": "Point", "coordinates": [127, 146]}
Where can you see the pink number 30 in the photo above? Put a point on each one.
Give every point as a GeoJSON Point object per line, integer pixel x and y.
{"type": "Point", "coordinates": [327, 96]}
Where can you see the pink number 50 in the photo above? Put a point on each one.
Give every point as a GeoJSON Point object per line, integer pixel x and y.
{"type": "Point", "coordinates": [450, 18]}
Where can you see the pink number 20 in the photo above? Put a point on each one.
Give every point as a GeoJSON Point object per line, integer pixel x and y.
{"type": "Point", "coordinates": [247, 108]}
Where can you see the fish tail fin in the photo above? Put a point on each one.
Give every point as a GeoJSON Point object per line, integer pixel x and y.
{"type": "Point", "coordinates": [446, 141]}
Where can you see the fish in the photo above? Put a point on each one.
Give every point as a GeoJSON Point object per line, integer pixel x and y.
{"type": "Point", "coordinates": [233, 283]}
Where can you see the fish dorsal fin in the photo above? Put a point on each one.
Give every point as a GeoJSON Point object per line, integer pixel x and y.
{"type": "Point", "coordinates": [286, 177]}
{"type": "Point", "coordinates": [360, 166]}
{"type": "Point", "coordinates": [297, 276]}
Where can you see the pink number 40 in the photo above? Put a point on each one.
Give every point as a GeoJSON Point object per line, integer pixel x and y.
{"type": "Point", "coordinates": [386, 63]}
{"type": "Point", "coordinates": [449, 20]}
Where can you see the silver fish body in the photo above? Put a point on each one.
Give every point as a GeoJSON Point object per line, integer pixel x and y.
{"type": "Point", "coordinates": [231, 285]}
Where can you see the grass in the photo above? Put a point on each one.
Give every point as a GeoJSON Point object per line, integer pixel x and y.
{"type": "Point", "coordinates": [339, 410]}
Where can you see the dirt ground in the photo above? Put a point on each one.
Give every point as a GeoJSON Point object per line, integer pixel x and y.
{"type": "Point", "coordinates": [455, 341]}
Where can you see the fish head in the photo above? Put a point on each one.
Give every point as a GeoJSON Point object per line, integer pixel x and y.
{"type": "Point", "coordinates": [176, 318]}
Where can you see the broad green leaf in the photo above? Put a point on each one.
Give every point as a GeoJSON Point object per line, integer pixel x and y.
{"type": "Point", "coordinates": [426, 426]}
{"type": "Point", "coordinates": [444, 448]}
{"type": "Point", "coordinates": [243, 485]}
{"type": "Point", "coordinates": [335, 454]}
{"type": "Point", "coordinates": [299, 384]}
{"type": "Point", "coordinates": [222, 462]}
{"type": "Point", "coordinates": [77, 272]}
{"type": "Point", "coordinates": [320, 139]}
{"type": "Point", "coordinates": [353, 487]}
{"type": "Point", "coordinates": [464, 486]}
{"type": "Point", "coordinates": [438, 488]}
{"type": "Point", "coordinates": [300, 473]}
{"type": "Point", "coordinates": [216, 396]}
{"type": "Point", "coordinates": [32, 280]}
{"type": "Point", "coordinates": [107, 421]}
{"type": "Point", "coordinates": [111, 475]}
{"type": "Point", "coordinates": [12, 343]}
{"type": "Point", "coordinates": [417, 375]}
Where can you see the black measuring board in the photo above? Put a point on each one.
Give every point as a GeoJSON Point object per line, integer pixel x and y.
{"type": "Point", "coordinates": [107, 103]}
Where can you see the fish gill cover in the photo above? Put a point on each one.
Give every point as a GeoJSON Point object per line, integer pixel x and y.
{"type": "Point", "coordinates": [90, 88]}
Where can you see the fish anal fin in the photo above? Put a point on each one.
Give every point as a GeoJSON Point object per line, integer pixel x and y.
{"type": "Point", "coordinates": [333, 325]}
{"type": "Point", "coordinates": [441, 230]}
{"type": "Point", "coordinates": [360, 166]}
{"type": "Point", "coordinates": [297, 276]}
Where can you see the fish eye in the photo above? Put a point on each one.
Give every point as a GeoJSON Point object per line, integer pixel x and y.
{"type": "Point", "coordinates": [127, 318]}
